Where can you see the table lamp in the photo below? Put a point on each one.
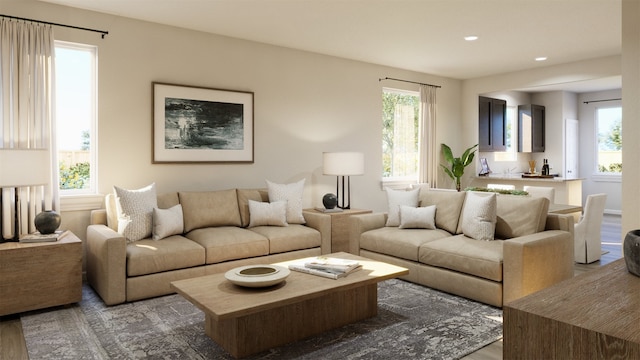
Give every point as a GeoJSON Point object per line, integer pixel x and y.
{"type": "Point", "coordinates": [21, 168]}
{"type": "Point", "coordinates": [343, 165]}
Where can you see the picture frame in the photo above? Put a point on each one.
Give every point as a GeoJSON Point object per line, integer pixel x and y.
{"type": "Point", "coordinates": [202, 125]}
{"type": "Point", "coordinates": [485, 167]}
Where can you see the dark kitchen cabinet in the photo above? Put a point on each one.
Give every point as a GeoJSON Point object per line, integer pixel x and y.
{"type": "Point", "coordinates": [531, 128]}
{"type": "Point", "coordinates": [492, 124]}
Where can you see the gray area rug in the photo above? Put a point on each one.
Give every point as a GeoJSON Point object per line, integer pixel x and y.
{"type": "Point", "coordinates": [413, 322]}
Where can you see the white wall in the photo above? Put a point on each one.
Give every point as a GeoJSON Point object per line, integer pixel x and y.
{"type": "Point", "coordinates": [305, 104]}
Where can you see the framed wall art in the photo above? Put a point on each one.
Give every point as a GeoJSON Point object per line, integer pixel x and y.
{"type": "Point", "coordinates": [201, 125]}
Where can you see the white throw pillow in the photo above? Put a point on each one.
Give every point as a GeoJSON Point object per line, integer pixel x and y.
{"type": "Point", "coordinates": [417, 217]}
{"type": "Point", "coordinates": [292, 194]}
{"type": "Point", "coordinates": [397, 198]}
{"type": "Point", "coordinates": [167, 222]}
{"type": "Point", "coordinates": [479, 216]}
{"type": "Point", "coordinates": [135, 211]}
{"type": "Point", "coordinates": [269, 214]}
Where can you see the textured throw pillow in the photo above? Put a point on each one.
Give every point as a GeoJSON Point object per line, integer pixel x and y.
{"type": "Point", "coordinates": [417, 217]}
{"type": "Point", "coordinates": [479, 216]}
{"type": "Point", "coordinates": [135, 211]}
{"type": "Point", "coordinates": [292, 194]}
{"type": "Point", "coordinates": [269, 214]}
{"type": "Point", "coordinates": [397, 198]}
{"type": "Point", "coordinates": [167, 222]}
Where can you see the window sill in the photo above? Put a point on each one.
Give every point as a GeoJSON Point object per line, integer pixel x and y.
{"type": "Point", "coordinates": [81, 202]}
{"type": "Point", "coordinates": [397, 184]}
{"type": "Point", "coordinates": [601, 177]}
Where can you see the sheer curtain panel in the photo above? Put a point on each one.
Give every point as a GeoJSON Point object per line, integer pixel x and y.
{"type": "Point", "coordinates": [428, 170]}
{"type": "Point", "coordinates": [26, 118]}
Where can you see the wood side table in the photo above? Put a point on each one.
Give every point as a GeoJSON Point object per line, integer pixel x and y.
{"type": "Point", "coordinates": [340, 228]}
{"type": "Point", "coordinates": [591, 316]}
{"type": "Point", "coordinates": [39, 275]}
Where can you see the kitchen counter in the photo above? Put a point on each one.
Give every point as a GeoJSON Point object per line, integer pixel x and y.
{"type": "Point", "coordinates": [567, 191]}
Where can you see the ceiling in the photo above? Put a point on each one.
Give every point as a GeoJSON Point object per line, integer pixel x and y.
{"type": "Point", "coordinates": [419, 35]}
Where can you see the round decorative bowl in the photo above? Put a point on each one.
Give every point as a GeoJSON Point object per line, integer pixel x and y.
{"type": "Point", "coordinates": [257, 275]}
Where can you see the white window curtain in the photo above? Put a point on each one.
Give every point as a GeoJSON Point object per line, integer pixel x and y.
{"type": "Point", "coordinates": [428, 170]}
{"type": "Point", "coordinates": [26, 116]}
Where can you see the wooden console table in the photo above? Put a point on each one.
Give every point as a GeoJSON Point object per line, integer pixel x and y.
{"type": "Point", "coordinates": [39, 275]}
{"type": "Point", "coordinates": [595, 315]}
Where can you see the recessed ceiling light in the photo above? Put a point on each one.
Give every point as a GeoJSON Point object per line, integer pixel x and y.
{"type": "Point", "coordinates": [541, 58]}
{"type": "Point", "coordinates": [471, 38]}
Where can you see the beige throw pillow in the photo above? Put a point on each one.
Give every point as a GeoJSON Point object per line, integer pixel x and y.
{"type": "Point", "coordinates": [267, 214]}
{"type": "Point", "coordinates": [135, 211]}
{"type": "Point", "coordinates": [479, 216]}
{"type": "Point", "coordinates": [167, 222]}
{"type": "Point", "coordinates": [397, 198]}
{"type": "Point", "coordinates": [417, 217]}
{"type": "Point", "coordinates": [292, 194]}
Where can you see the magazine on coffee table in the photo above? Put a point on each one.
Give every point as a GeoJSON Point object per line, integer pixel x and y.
{"type": "Point", "coordinates": [332, 268]}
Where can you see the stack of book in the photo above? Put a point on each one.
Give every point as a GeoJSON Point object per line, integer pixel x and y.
{"type": "Point", "coordinates": [37, 237]}
{"type": "Point", "coordinates": [329, 267]}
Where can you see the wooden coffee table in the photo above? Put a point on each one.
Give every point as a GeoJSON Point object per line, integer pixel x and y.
{"type": "Point", "coordinates": [245, 321]}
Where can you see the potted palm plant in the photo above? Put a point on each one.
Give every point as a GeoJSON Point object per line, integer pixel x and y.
{"type": "Point", "coordinates": [455, 170]}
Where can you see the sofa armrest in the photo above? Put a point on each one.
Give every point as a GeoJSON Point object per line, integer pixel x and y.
{"type": "Point", "coordinates": [359, 224]}
{"type": "Point", "coordinates": [536, 261]}
{"type": "Point", "coordinates": [106, 263]}
{"type": "Point", "coordinates": [322, 223]}
{"type": "Point", "coordinates": [98, 217]}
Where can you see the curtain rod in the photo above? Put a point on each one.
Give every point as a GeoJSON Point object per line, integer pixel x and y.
{"type": "Point", "coordinates": [586, 102]}
{"type": "Point", "coordinates": [103, 32]}
{"type": "Point", "coordinates": [409, 81]}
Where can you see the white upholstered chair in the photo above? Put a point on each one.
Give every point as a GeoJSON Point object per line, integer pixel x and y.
{"type": "Point", "coordinates": [541, 191]}
{"type": "Point", "coordinates": [587, 241]}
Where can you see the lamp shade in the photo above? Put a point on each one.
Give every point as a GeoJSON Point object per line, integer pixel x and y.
{"type": "Point", "coordinates": [343, 163]}
{"type": "Point", "coordinates": [24, 167]}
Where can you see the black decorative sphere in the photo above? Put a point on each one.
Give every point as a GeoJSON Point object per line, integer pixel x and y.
{"type": "Point", "coordinates": [329, 201]}
{"type": "Point", "coordinates": [631, 250]}
{"type": "Point", "coordinates": [47, 222]}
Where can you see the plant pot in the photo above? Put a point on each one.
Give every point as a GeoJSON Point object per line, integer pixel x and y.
{"type": "Point", "coordinates": [631, 250]}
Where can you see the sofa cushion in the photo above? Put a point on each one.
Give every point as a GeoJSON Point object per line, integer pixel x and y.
{"type": "Point", "coordinates": [293, 237]}
{"type": "Point", "coordinates": [168, 200]}
{"type": "Point", "coordinates": [397, 198]}
{"type": "Point", "coordinates": [167, 222]}
{"type": "Point", "coordinates": [209, 208]}
{"type": "Point", "coordinates": [135, 211]}
{"type": "Point", "coordinates": [229, 243]}
{"type": "Point", "coordinates": [267, 214]}
{"type": "Point", "coordinates": [417, 217]}
{"type": "Point", "coordinates": [292, 194]}
{"type": "Point", "coordinates": [175, 252]}
{"type": "Point", "coordinates": [244, 195]}
{"type": "Point", "coordinates": [465, 255]}
{"type": "Point", "coordinates": [448, 207]}
{"type": "Point", "coordinates": [402, 243]}
{"type": "Point", "coordinates": [520, 215]}
{"type": "Point", "coordinates": [479, 215]}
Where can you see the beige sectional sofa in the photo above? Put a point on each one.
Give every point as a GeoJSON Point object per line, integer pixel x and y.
{"type": "Point", "coordinates": [530, 250]}
{"type": "Point", "coordinates": [215, 237]}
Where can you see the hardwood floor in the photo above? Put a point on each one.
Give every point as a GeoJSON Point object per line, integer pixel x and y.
{"type": "Point", "coordinates": [12, 344]}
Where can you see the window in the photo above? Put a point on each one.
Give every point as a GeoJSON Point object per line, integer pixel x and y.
{"type": "Point", "coordinates": [400, 135]}
{"type": "Point", "coordinates": [76, 87]}
{"type": "Point", "coordinates": [510, 153]}
{"type": "Point", "coordinates": [609, 140]}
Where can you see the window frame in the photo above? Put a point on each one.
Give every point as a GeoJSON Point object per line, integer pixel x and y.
{"type": "Point", "coordinates": [597, 174]}
{"type": "Point", "coordinates": [400, 182]}
{"type": "Point", "coordinates": [78, 199]}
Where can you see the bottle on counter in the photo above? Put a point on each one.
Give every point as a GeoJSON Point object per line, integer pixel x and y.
{"type": "Point", "coordinates": [545, 167]}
